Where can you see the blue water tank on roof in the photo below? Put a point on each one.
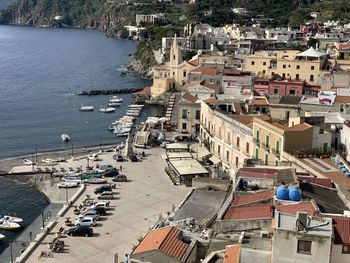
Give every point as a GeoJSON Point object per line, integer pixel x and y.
{"type": "Point", "coordinates": [282, 193]}
{"type": "Point", "coordinates": [347, 174]}
{"type": "Point", "coordinates": [243, 183]}
{"type": "Point", "coordinates": [294, 194]}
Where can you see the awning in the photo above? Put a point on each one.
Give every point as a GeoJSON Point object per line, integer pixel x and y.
{"type": "Point", "coordinates": [214, 159]}
{"type": "Point", "coordinates": [202, 152]}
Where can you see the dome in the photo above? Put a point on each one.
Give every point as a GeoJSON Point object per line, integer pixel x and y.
{"type": "Point", "coordinates": [294, 194]}
{"type": "Point", "coordinates": [282, 193]}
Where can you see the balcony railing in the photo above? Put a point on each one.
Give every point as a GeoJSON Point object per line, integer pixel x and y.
{"type": "Point", "coordinates": [256, 141]}
{"type": "Point", "coordinates": [266, 146]}
{"type": "Point", "coordinates": [276, 152]}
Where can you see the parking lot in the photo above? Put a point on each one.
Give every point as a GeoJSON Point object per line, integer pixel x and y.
{"type": "Point", "coordinates": [137, 205]}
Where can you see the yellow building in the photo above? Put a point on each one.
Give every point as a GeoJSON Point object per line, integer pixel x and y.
{"type": "Point", "coordinates": [271, 138]}
{"type": "Point", "coordinates": [170, 75]}
{"type": "Point", "coordinates": [308, 66]}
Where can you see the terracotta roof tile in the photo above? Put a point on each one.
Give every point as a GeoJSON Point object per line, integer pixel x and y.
{"type": "Point", "coordinates": [193, 62]}
{"type": "Point", "coordinates": [166, 239]}
{"type": "Point", "coordinates": [189, 97]}
{"type": "Point", "coordinates": [342, 99]}
{"type": "Point", "coordinates": [249, 199]}
{"type": "Point", "coordinates": [242, 119]}
{"type": "Point", "coordinates": [343, 46]}
{"type": "Point", "coordinates": [300, 127]}
{"type": "Point", "coordinates": [260, 102]}
{"type": "Point", "coordinates": [320, 181]}
{"type": "Point", "coordinates": [341, 226]}
{"type": "Point", "coordinates": [232, 254]}
{"type": "Point", "coordinates": [210, 101]}
{"type": "Point", "coordinates": [206, 70]}
{"type": "Point", "coordinates": [261, 173]}
{"type": "Point", "coordinates": [307, 206]}
{"type": "Point", "coordinates": [248, 212]}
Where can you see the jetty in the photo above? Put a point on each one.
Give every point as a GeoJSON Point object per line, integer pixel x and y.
{"type": "Point", "coordinates": [108, 92]}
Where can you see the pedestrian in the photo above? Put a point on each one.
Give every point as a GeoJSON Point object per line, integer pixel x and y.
{"type": "Point", "coordinates": [121, 168]}
{"type": "Point", "coordinates": [126, 260]}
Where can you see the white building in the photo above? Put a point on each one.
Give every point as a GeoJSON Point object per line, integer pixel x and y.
{"type": "Point", "coordinates": [345, 139]}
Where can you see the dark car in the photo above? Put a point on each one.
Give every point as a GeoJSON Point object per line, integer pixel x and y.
{"type": "Point", "coordinates": [111, 173]}
{"type": "Point", "coordinates": [120, 178]}
{"type": "Point", "coordinates": [133, 157]}
{"type": "Point", "coordinates": [80, 231]}
{"type": "Point", "coordinates": [101, 210]}
{"type": "Point", "coordinates": [103, 188]}
{"type": "Point", "coordinates": [118, 158]}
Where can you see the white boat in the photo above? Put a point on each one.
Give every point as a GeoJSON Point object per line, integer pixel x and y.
{"type": "Point", "coordinates": [136, 114]}
{"type": "Point", "coordinates": [49, 161]}
{"type": "Point", "coordinates": [96, 181]}
{"type": "Point", "coordinates": [65, 137]}
{"type": "Point", "coordinates": [68, 184]}
{"type": "Point", "coordinates": [115, 100]}
{"type": "Point", "coordinates": [72, 179]}
{"type": "Point", "coordinates": [86, 108]}
{"type": "Point", "coordinates": [107, 109]}
{"type": "Point", "coordinates": [114, 104]}
{"type": "Point", "coordinates": [11, 219]}
{"type": "Point", "coordinates": [137, 106]}
{"type": "Point", "coordinates": [122, 129]}
{"type": "Point", "coordinates": [2, 237]}
{"type": "Point", "coordinates": [8, 225]}
{"type": "Point", "coordinates": [27, 162]}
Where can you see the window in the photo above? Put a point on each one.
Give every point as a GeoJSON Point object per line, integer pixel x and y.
{"type": "Point", "coordinates": [275, 91]}
{"type": "Point", "coordinates": [277, 147]}
{"type": "Point", "coordinates": [174, 57]}
{"type": "Point", "coordinates": [247, 147]}
{"type": "Point", "coordinates": [284, 75]}
{"type": "Point", "coordinates": [257, 153]}
{"type": "Point", "coordinates": [257, 135]}
{"type": "Point", "coordinates": [311, 77]}
{"type": "Point", "coordinates": [346, 249]}
{"type": "Point", "coordinates": [184, 126]}
{"type": "Point", "coordinates": [267, 141]}
{"type": "Point", "coordinates": [266, 159]}
{"type": "Point", "coordinates": [237, 160]}
{"type": "Point", "coordinates": [237, 142]}
{"type": "Point", "coordinates": [174, 73]}
{"type": "Point", "coordinates": [304, 246]}
{"type": "Point", "coordinates": [219, 150]}
{"type": "Point", "coordinates": [184, 114]}
{"type": "Point", "coordinates": [264, 63]}
{"type": "Point", "coordinates": [227, 155]}
{"type": "Point", "coordinates": [198, 114]}
{"type": "Point", "coordinates": [297, 76]}
{"type": "Point", "coordinates": [228, 137]}
{"type": "Point", "coordinates": [284, 66]}
{"type": "Point", "coordinates": [298, 66]}
{"type": "Point", "coordinates": [220, 132]}
{"type": "Point", "coordinates": [292, 92]}
{"type": "Point", "coordinates": [252, 63]}
{"type": "Point", "coordinates": [185, 73]}
{"type": "Point", "coordinates": [312, 67]}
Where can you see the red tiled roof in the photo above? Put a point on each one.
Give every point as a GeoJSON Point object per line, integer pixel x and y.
{"type": "Point", "coordinates": [341, 226]}
{"type": "Point", "coordinates": [306, 206]}
{"type": "Point", "coordinates": [320, 181]}
{"type": "Point", "coordinates": [232, 254]}
{"type": "Point", "coordinates": [343, 46]}
{"type": "Point", "coordinates": [262, 173]}
{"type": "Point", "coordinates": [193, 62]}
{"type": "Point", "coordinates": [342, 99]}
{"type": "Point", "coordinates": [248, 199]}
{"type": "Point", "coordinates": [210, 101]}
{"type": "Point", "coordinates": [300, 127]}
{"type": "Point", "coordinates": [166, 239]}
{"type": "Point", "coordinates": [189, 98]}
{"type": "Point", "coordinates": [206, 70]}
{"type": "Point", "coordinates": [248, 212]}
{"type": "Point", "coordinates": [146, 90]}
{"type": "Point", "coordinates": [260, 102]}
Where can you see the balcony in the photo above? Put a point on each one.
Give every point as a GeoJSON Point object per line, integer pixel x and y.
{"type": "Point", "coordinates": [276, 152]}
{"type": "Point", "coordinates": [256, 141]}
{"type": "Point", "coordinates": [266, 146]}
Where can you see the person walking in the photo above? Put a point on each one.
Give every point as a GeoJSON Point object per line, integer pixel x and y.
{"type": "Point", "coordinates": [121, 168]}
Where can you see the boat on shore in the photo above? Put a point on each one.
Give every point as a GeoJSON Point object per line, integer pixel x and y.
{"type": "Point", "coordinates": [107, 109]}
{"type": "Point", "coordinates": [27, 162]}
{"type": "Point", "coordinates": [65, 137]}
{"type": "Point", "coordinates": [68, 184]}
{"type": "Point", "coordinates": [86, 108]}
{"type": "Point", "coordinates": [2, 237]}
{"type": "Point", "coordinates": [11, 218]}
{"type": "Point", "coordinates": [8, 225]}
{"type": "Point", "coordinates": [96, 181]}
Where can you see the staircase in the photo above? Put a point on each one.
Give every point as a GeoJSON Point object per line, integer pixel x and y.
{"type": "Point", "coordinates": [170, 107]}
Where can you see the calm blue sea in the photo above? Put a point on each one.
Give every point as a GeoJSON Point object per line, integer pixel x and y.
{"type": "Point", "coordinates": [40, 69]}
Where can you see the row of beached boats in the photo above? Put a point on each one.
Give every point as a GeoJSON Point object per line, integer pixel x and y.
{"type": "Point", "coordinates": [114, 102]}
{"type": "Point", "coordinates": [71, 180]}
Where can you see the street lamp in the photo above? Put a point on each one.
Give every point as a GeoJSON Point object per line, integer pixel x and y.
{"type": "Point", "coordinates": [72, 152]}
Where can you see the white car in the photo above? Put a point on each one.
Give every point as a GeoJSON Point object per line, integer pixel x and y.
{"type": "Point", "coordinates": [101, 204]}
{"type": "Point", "coordinates": [90, 213]}
{"type": "Point", "coordinates": [93, 157]}
{"type": "Point", "coordinates": [85, 221]}
{"type": "Point", "coordinates": [105, 195]}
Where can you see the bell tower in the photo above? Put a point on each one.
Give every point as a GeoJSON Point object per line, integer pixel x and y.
{"type": "Point", "coordinates": [175, 53]}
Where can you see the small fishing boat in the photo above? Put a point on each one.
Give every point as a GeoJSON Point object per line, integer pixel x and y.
{"type": "Point", "coordinates": [70, 178]}
{"type": "Point", "coordinates": [27, 162]}
{"type": "Point", "coordinates": [137, 106]}
{"type": "Point", "coordinates": [116, 99]}
{"type": "Point", "coordinates": [11, 218]}
{"type": "Point", "coordinates": [2, 237]}
{"type": "Point", "coordinates": [49, 161]}
{"type": "Point", "coordinates": [65, 137]}
{"type": "Point", "coordinates": [107, 109]}
{"type": "Point", "coordinates": [68, 184]}
{"type": "Point", "coordinates": [114, 104]}
{"type": "Point", "coordinates": [86, 108]}
{"type": "Point", "coordinates": [96, 180]}
{"type": "Point", "coordinates": [8, 225]}
{"type": "Point", "coordinates": [136, 114]}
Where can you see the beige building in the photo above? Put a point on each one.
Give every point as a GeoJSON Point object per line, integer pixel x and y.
{"type": "Point", "coordinates": [188, 115]}
{"type": "Point", "coordinates": [229, 136]}
{"type": "Point", "coordinates": [309, 65]}
{"type": "Point", "coordinates": [171, 74]}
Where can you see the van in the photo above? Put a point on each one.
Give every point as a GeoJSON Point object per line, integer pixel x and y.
{"type": "Point", "coordinates": [103, 188]}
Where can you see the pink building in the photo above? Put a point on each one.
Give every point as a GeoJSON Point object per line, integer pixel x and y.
{"type": "Point", "coordinates": [285, 88]}
{"type": "Point", "coordinates": [261, 87]}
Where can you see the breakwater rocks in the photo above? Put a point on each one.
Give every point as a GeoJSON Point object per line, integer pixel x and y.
{"type": "Point", "coordinates": [107, 92]}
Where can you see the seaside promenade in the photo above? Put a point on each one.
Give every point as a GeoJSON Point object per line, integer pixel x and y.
{"type": "Point", "coordinates": [138, 204]}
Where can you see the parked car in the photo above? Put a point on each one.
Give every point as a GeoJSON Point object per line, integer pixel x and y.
{"type": "Point", "coordinates": [102, 188]}
{"type": "Point", "coordinates": [105, 195]}
{"type": "Point", "coordinates": [85, 221]}
{"type": "Point", "coordinates": [118, 157]}
{"type": "Point", "coordinates": [104, 167]}
{"type": "Point", "coordinates": [120, 178]}
{"type": "Point", "coordinates": [133, 157]}
{"type": "Point", "coordinates": [101, 210]}
{"type": "Point", "coordinates": [101, 204]}
{"type": "Point", "coordinates": [111, 173]}
{"type": "Point", "coordinates": [80, 231]}
{"type": "Point", "coordinates": [90, 213]}
{"type": "Point", "coordinates": [93, 157]}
